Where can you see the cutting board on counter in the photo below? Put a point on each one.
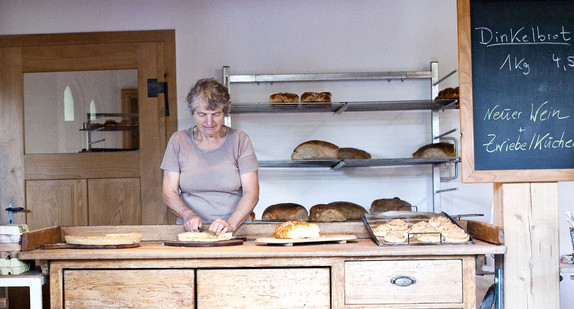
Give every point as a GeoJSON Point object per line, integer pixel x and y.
{"type": "Point", "coordinates": [217, 243]}
{"type": "Point", "coordinates": [64, 245]}
{"type": "Point", "coordinates": [290, 242]}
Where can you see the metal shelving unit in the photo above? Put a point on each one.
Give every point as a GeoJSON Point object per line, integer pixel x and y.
{"type": "Point", "coordinates": [89, 128]}
{"type": "Point", "coordinates": [434, 106]}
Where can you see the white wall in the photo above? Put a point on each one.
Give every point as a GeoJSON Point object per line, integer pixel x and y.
{"type": "Point", "coordinates": [273, 36]}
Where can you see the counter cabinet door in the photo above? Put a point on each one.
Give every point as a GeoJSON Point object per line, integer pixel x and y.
{"type": "Point", "coordinates": [264, 288]}
{"type": "Point", "coordinates": [129, 288]}
{"type": "Point", "coordinates": [404, 282]}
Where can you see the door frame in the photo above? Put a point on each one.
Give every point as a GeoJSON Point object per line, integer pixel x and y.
{"type": "Point", "coordinates": [17, 167]}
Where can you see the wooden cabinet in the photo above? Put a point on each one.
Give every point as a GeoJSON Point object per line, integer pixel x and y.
{"type": "Point", "coordinates": [404, 282]}
{"type": "Point", "coordinates": [264, 288]}
{"type": "Point", "coordinates": [124, 288]}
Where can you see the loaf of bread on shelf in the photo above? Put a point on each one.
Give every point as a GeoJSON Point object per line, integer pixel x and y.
{"type": "Point", "coordinates": [285, 212]}
{"type": "Point", "coordinates": [448, 94]}
{"type": "Point", "coordinates": [315, 150]}
{"type": "Point", "coordinates": [346, 153]}
{"type": "Point", "coordinates": [296, 229]}
{"type": "Point", "coordinates": [382, 205]}
{"type": "Point", "coordinates": [316, 97]}
{"type": "Point", "coordinates": [352, 211]}
{"type": "Point", "coordinates": [284, 97]}
{"type": "Point", "coordinates": [436, 150]}
{"type": "Point", "coordinates": [326, 213]}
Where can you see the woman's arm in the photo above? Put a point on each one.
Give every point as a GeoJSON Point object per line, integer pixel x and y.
{"type": "Point", "coordinates": [170, 192]}
{"type": "Point", "coordinates": [250, 187]}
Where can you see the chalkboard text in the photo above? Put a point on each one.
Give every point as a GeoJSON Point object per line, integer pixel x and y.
{"type": "Point", "coordinates": [523, 35]}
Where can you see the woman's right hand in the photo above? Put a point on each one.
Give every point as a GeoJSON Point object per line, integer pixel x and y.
{"type": "Point", "coordinates": [193, 223]}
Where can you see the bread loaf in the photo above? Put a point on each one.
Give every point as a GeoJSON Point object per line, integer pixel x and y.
{"type": "Point", "coordinates": [437, 150]}
{"type": "Point", "coordinates": [346, 153]}
{"type": "Point", "coordinates": [315, 150]}
{"type": "Point", "coordinates": [316, 97]}
{"type": "Point", "coordinates": [283, 97]}
{"type": "Point", "coordinates": [352, 211]}
{"type": "Point", "coordinates": [326, 213]}
{"type": "Point", "coordinates": [380, 206]}
{"type": "Point", "coordinates": [296, 229]}
{"type": "Point", "coordinates": [448, 93]}
{"type": "Point", "coordinates": [285, 212]}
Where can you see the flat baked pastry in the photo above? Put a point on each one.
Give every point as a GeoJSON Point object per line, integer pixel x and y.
{"type": "Point", "coordinates": [108, 239]}
{"type": "Point", "coordinates": [203, 236]}
{"type": "Point", "coordinates": [296, 230]}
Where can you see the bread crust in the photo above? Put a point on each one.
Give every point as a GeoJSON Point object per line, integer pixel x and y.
{"type": "Point", "coordinates": [346, 153]}
{"type": "Point", "coordinates": [382, 205]}
{"type": "Point", "coordinates": [326, 213]}
{"type": "Point", "coordinates": [448, 94]}
{"type": "Point", "coordinates": [316, 97]}
{"type": "Point", "coordinates": [284, 97]}
{"type": "Point", "coordinates": [315, 150]}
{"type": "Point", "coordinates": [296, 229]}
{"type": "Point", "coordinates": [352, 211]}
{"type": "Point", "coordinates": [285, 212]}
{"type": "Point", "coordinates": [437, 150]}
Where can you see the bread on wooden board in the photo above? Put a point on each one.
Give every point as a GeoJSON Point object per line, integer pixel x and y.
{"type": "Point", "coordinates": [346, 153]}
{"type": "Point", "coordinates": [284, 97]}
{"type": "Point", "coordinates": [296, 229]}
{"type": "Point", "coordinates": [437, 150]}
{"type": "Point", "coordinates": [382, 205]}
{"type": "Point", "coordinates": [326, 213]}
{"type": "Point", "coordinates": [352, 211]}
{"type": "Point", "coordinates": [315, 150]}
{"type": "Point", "coordinates": [285, 212]}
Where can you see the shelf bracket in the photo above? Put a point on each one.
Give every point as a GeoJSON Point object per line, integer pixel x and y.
{"type": "Point", "coordinates": [342, 109]}
{"type": "Point", "coordinates": [154, 88]}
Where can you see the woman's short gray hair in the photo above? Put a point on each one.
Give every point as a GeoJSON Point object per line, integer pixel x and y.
{"type": "Point", "coordinates": [208, 92]}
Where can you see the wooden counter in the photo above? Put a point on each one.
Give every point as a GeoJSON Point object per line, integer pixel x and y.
{"type": "Point", "coordinates": [356, 274]}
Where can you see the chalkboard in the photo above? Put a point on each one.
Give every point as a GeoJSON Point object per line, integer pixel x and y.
{"type": "Point", "coordinates": [522, 84]}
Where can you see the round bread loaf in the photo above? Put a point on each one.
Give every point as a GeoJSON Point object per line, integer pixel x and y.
{"type": "Point", "coordinates": [285, 212]}
{"type": "Point", "coordinates": [283, 97]}
{"type": "Point", "coordinates": [346, 153]}
{"type": "Point", "coordinates": [437, 150]}
{"type": "Point", "coordinates": [389, 204]}
{"type": "Point", "coordinates": [326, 213]}
{"type": "Point", "coordinates": [315, 150]}
{"type": "Point", "coordinates": [352, 211]}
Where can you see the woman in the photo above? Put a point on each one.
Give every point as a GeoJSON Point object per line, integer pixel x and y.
{"type": "Point", "coordinates": [210, 170]}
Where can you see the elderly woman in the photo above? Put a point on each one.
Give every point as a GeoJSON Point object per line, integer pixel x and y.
{"type": "Point", "coordinates": [210, 170]}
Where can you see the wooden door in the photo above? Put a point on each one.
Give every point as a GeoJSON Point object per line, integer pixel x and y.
{"type": "Point", "coordinates": [122, 187]}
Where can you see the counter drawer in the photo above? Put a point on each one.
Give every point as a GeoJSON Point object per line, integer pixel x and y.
{"type": "Point", "coordinates": [122, 288]}
{"type": "Point", "coordinates": [433, 281]}
{"type": "Point", "coordinates": [264, 288]}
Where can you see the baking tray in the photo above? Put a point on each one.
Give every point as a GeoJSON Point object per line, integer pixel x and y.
{"type": "Point", "coordinates": [411, 217]}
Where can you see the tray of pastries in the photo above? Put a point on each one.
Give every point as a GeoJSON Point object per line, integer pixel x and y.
{"type": "Point", "coordinates": [422, 229]}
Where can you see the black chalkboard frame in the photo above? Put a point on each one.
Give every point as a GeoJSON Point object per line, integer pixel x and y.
{"type": "Point", "coordinates": [469, 173]}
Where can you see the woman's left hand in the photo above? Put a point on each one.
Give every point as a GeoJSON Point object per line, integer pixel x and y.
{"type": "Point", "coordinates": [220, 226]}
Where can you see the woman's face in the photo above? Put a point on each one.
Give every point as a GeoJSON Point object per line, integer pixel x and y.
{"type": "Point", "coordinates": [209, 122]}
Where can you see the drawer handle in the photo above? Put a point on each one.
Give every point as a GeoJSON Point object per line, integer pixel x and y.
{"type": "Point", "coordinates": [403, 281]}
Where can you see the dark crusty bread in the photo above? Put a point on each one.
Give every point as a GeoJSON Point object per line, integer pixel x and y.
{"type": "Point", "coordinates": [285, 212]}
{"type": "Point", "coordinates": [284, 97]}
{"type": "Point", "coordinates": [346, 153]}
{"type": "Point", "coordinates": [438, 150]}
{"type": "Point", "coordinates": [316, 97]}
{"type": "Point", "coordinates": [315, 150]}
{"type": "Point", "coordinates": [389, 204]}
{"type": "Point", "coordinates": [448, 93]}
{"type": "Point", "coordinates": [326, 213]}
{"type": "Point", "coordinates": [352, 211]}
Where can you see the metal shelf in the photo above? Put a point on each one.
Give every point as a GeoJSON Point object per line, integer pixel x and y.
{"type": "Point", "coordinates": [340, 107]}
{"type": "Point", "coordinates": [336, 164]}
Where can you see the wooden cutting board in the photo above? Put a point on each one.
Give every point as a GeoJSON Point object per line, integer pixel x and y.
{"type": "Point", "coordinates": [217, 243]}
{"type": "Point", "coordinates": [290, 242]}
{"type": "Point", "coordinates": [71, 246]}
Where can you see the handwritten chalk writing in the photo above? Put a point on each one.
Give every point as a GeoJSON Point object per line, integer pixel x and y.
{"type": "Point", "coordinates": [506, 145]}
{"type": "Point", "coordinates": [501, 114]}
{"type": "Point", "coordinates": [564, 65]}
{"type": "Point", "coordinates": [524, 36]}
{"type": "Point", "coordinates": [547, 141]}
{"type": "Point", "coordinates": [543, 113]}
{"type": "Point", "coordinates": [518, 65]}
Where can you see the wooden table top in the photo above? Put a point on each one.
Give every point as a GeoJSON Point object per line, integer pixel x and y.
{"type": "Point", "coordinates": [250, 249]}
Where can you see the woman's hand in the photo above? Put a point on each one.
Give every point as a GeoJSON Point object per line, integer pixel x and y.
{"type": "Point", "coordinates": [220, 227]}
{"type": "Point", "coordinates": [193, 223]}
